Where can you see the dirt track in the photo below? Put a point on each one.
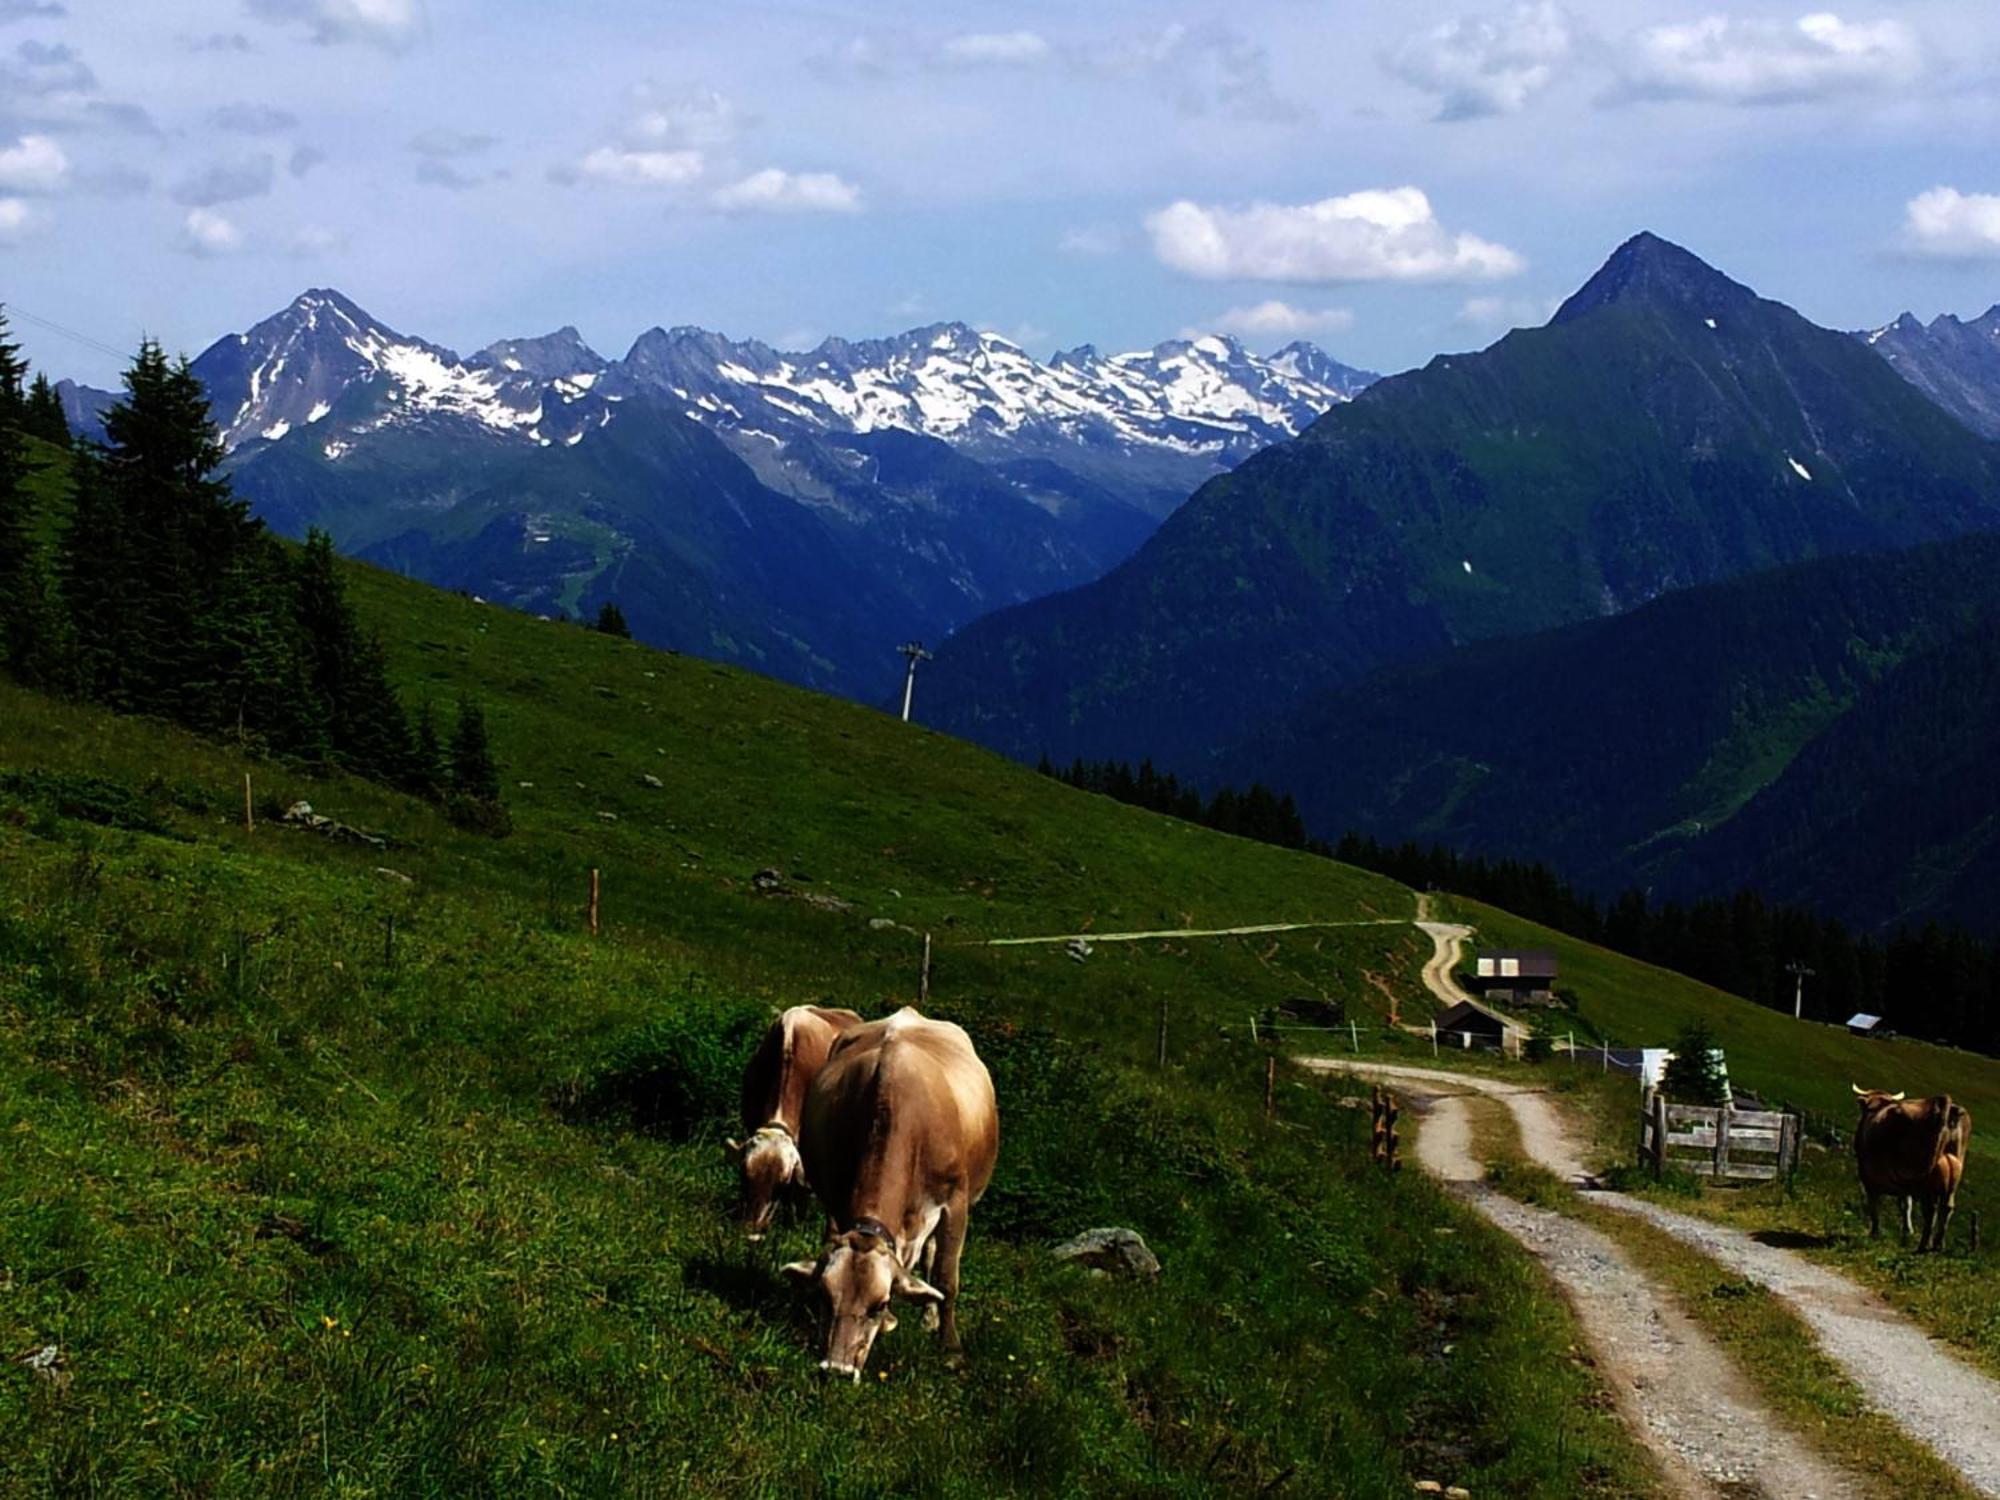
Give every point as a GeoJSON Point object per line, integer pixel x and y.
{"type": "Point", "coordinates": [1905, 1373]}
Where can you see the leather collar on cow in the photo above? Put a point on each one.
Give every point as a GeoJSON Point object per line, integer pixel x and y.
{"type": "Point", "coordinates": [777, 1127]}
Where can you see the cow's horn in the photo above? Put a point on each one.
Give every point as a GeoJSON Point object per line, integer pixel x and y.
{"type": "Point", "coordinates": [1859, 1091]}
{"type": "Point", "coordinates": [1896, 1098]}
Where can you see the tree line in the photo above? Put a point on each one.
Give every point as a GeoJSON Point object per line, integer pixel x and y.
{"type": "Point", "coordinates": [1937, 982]}
{"type": "Point", "coordinates": [145, 586]}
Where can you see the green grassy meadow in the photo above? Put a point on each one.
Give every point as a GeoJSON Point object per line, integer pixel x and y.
{"type": "Point", "coordinates": [332, 1169]}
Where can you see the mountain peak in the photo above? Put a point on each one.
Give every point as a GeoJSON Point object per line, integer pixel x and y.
{"type": "Point", "coordinates": [1649, 271]}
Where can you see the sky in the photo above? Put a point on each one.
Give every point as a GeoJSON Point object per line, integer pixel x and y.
{"type": "Point", "coordinates": [1387, 181]}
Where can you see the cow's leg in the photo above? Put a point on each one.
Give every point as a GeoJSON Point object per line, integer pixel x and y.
{"type": "Point", "coordinates": [1946, 1206]}
{"type": "Point", "coordinates": [1874, 1215]}
{"type": "Point", "coordinates": [1909, 1210]}
{"type": "Point", "coordinates": [950, 1241]}
{"type": "Point", "coordinates": [929, 1261]}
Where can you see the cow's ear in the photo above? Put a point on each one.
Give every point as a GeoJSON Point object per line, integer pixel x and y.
{"type": "Point", "coordinates": [917, 1289]}
{"type": "Point", "coordinates": [801, 1270]}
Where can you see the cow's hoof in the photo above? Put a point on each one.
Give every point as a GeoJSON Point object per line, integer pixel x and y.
{"type": "Point", "coordinates": [930, 1317]}
{"type": "Point", "coordinates": [954, 1359]}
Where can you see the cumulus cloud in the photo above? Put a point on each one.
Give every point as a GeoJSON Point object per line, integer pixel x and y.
{"type": "Point", "coordinates": [1275, 320]}
{"type": "Point", "coordinates": [18, 219]}
{"type": "Point", "coordinates": [1486, 65]}
{"type": "Point", "coordinates": [44, 68]}
{"type": "Point", "coordinates": [702, 120]}
{"type": "Point", "coordinates": [1007, 49]}
{"type": "Point", "coordinates": [1380, 235]}
{"type": "Point", "coordinates": [1505, 312]}
{"type": "Point", "coordinates": [775, 191]}
{"type": "Point", "coordinates": [33, 164]}
{"type": "Point", "coordinates": [207, 233]}
{"type": "Point", "coordinates": [304, 159]}
{"type": "Point", "coordinates": [654, 169]}
{"type": "Point", "coordinates": [442, 149]}
{"type": "Point", "coordinates": [392, 24]}
{"type": "Point", "coordinates": [47, 85]}
{"type": "Point", "coordinates": [1206, 69]}
{"type": "Point", "coordinates": [1945, 224]}
{"type": "Point", "coordinates": [226, 182]}
{"type": "Point", "coordinates": [1740, 61]}
{"type": "Point", "coordinates": [253, 119]}
{"type": "Point", "coordinates": [29, 10]}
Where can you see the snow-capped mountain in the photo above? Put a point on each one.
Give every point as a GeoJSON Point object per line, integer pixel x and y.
{"type": "Point", "coordinates": [803, 512]}
{"type": "Point", "coordinates": [1954, 362]}
{"type": "Point", "coordinates": [1146, 427]}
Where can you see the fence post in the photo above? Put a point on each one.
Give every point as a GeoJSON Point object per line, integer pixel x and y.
{"type": "Point", "coordinates": [1659, 1133]}
{"type": "Point", "coordinates": [1721, 1169]}
{"type": "Point", "coordinates": [1270, 1084]}
{"type": "Point", "coordinates": [1434, 1036]}
{"type": "Point", "coordinates": [924, 978]}
{"type": "Point", "coordinates": [593, 900]}
{"type": "Point", "coordinates": [1354, 1034]}
{"type": "Point", "coordinates": [389, 939]}
{"type": "Point", "coordinates": [1253, 1025]}
{"type": "Point", "coordinates": [1607, 1056]}
{"type": "Point", "coordinates": [1572, 1049]}
{"type": "Point", "coordinates": [1162, 1060]}
{"type": "Point", "coordinates": [249, 818]}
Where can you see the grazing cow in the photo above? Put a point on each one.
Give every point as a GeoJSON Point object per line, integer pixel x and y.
{"type": "Point", "coordinates": [1914, 1150]}
{"type": "Point", "coordinates": [902, 1132]}
{"type": "Point", "coordinates": [774, 1096]}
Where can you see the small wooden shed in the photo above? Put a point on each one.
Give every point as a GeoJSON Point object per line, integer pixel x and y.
{"type": "Point", "coordinates": [1521, 976]}
{"type": "Point", "coordinates": [1469, 1024]}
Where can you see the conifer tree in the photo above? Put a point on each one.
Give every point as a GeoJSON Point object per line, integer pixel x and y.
{"type": "Point", "coordinates": [611, 621]}
{"type": "Point", "coordinates": [18, 562]}
{"type": "Point", "coordinates": [13, 376]}
{"type": "Point", "coordinates": [473, 773]}
{"type": "Point", "coordinates": [427, 775]}
{"type": "Point", "coordinates": [43, 416]}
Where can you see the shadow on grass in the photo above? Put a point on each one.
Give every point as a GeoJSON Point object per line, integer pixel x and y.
{"type": "Point", "coordinates": [1793, 1239]}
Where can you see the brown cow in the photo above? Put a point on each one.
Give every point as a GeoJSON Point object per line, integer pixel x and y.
{"type": "Point", "coordinates": [902, 1132]}
{"type": "Point", "coordinates": [774, 1096]}
{"type": "Point", "coordinates": [1913, 1150]}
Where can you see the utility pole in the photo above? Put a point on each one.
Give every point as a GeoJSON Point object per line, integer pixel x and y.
{"type": "Point", "coordinates": [915, 651]}
{"type": "Point", "coordinates": [1800, 974]}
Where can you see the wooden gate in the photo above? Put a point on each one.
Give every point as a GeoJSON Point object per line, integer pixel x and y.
{"type": "Point", "coordinates": [1752, 1145]}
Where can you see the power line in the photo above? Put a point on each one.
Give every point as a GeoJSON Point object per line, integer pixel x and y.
{"type": "Point", "coordinates": [15, 310]}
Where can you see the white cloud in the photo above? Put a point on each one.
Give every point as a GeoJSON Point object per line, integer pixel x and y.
{"type": "Point", "coordinates": [394, 24]}
{"type": "Point", "coordinates": [639, 168]}
{"type": "Point", "coordinates": [1506, 312]}
{"type": "Point", "coordinates": [207, 233]}
{"type": "Point", "coordinates": [18, 219]}
{"type": "Point", "coordinates": [1201, 70]}
{"type": "Point", "coordinates": [1486, 65]}
{"type": "Point", "coordinates": [33, 164]}
{"type": "Point", "coordinates": [1275, 320]}
{"type": "Point", "coordinates": [1738, 61]}
{"type": "Point", "coordinates": [776, 191]}
{"type": "Point", "coordinates": [1380, 235]}
{"type": "Point", "coordinates": [704, 119]}
{"type": "Point", "coordinates": [1009, 49]}
{"type": "Point", "coordinates": [1945, 224]}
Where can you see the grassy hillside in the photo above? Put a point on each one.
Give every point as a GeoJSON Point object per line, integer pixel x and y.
{"type": "Point", "coordinates": [336, 1168]}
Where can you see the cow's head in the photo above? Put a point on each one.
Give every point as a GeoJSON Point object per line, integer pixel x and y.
{"type": "Point", "coordinates": [770, 1163]}
{"type": "Point", "coordinates": [859, 1275]}
{"type": "Point", "coordinates": [1871, 1100]}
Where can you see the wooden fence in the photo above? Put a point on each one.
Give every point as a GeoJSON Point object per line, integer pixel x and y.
{"type": "Point", "coordinates": [1720, 1143]}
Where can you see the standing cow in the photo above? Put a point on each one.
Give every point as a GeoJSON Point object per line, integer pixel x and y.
{"type": "Point", "coordinates": [1912, 1149]}
{"type": "Point", "coordinates": [774, 1095]}
{"type": "Point", "coordinates": [901, 1134]}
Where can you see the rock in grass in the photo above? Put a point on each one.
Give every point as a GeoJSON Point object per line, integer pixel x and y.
{"type": "Point", "coordinates": [651, 780]}
{"type": "Point", "coordinates": [1118, 1250]}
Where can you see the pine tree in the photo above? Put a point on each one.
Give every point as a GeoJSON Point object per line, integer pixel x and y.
{"type": "Point", "coordinates": [19, 565]}
{"type": "Point", "coordinates": [427, 775]}
{"type": "Point", "coordinates": [473, 773]}
{"type": "Point", "coordinates": [611, 621]}
{"type": "Point", "coordinates": [13, 375]}
{"type": "Point", "coordinates": [43, 414]}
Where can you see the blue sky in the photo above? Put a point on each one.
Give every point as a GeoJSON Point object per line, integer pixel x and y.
{"type": "Point", "coordinates": [1388, 181]}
